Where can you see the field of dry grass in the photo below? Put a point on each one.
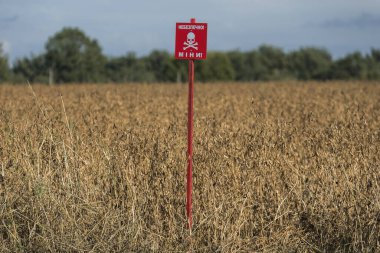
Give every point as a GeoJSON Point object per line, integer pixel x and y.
{"type": "Point", "coordinates": [286, 167]}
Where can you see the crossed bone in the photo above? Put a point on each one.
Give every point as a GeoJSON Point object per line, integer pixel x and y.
{"type": "Point", "coordinates": [194, 45]}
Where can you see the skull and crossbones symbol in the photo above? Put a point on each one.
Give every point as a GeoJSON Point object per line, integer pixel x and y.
{"type": "Point", "coordinates": [190, 42]}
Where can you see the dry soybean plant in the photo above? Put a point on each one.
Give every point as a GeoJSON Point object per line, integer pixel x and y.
{"type": "Point", "coordinates": [278, 167]}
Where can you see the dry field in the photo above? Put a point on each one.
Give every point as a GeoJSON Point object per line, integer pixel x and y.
{"type": "Point", "coordinates": [286, 167]}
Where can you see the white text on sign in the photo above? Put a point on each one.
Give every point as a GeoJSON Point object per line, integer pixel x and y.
{"type": "Point", "coordinates": [191, 27]}
{"type": "Point", "coordinates": [190, 54]}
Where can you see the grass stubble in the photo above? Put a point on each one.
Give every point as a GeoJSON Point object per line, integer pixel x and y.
{"type": "Point", "coordinates": [284, 167]}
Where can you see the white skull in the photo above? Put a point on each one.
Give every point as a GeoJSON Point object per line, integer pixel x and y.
{"type": "Point", "coordinates": [190, 38]}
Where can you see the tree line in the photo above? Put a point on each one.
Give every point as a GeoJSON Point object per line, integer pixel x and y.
{"type": "Point", "coordinates": [70, 56]}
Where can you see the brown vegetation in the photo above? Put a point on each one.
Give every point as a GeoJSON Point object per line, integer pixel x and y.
{"type": "Point", "coordinates": [277, 168]}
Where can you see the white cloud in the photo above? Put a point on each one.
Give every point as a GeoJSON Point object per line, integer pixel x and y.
{"type": "Point", "coordinates": [365, 20]}
{"type": "Point", "coordinates": [6, 46]}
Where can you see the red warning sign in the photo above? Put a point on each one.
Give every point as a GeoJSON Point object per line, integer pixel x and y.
{"type": "Point", "coordinates": [191, 41]}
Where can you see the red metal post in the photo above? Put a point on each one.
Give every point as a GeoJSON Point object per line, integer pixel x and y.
{"type": "Point", "coordinates": [190, 125]}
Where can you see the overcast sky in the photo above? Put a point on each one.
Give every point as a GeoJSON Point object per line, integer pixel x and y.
{"type": "Point", "coordinates": [121, 26]}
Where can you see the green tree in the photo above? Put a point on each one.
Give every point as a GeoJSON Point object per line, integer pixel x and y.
{"type": "Point", "coordinates": [353, 66]}
{"type": "Point", "coordinates": [272, 63]}
{"type": "Point", "coordinates": [253, 67]}
{"type": "Point", "coordinates": [128, 68]}
{"type": "Point", "coordinates": [4, 67]}
{"type": "Point", "coordinates": [238, 62]}
{"type": "Point", "coordinates": [217, 67]}
{"type": "Point", "coordinates": [373, 65]}
{"type": "Point", "coordinates": [310, 63]}
{"type": "Point", "coordinates": [161, 63]}
{"type": "Point", "coordinates": [266, 63]}
{"type": "Point", "coordinates": [31, 69]}
{"type": "Point", "coordinates": [181, 70]}
{"type": "Point", "coordinates": [74, 57]}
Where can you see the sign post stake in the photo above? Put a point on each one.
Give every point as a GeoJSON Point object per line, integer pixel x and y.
{"type": "Point", "coordinates": [191, 44]}
{"type": "Point", "coordinates": [190, 126]}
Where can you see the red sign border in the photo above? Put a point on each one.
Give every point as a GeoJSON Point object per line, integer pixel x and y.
{"type": "Point", "coordinates": [204, 54]}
